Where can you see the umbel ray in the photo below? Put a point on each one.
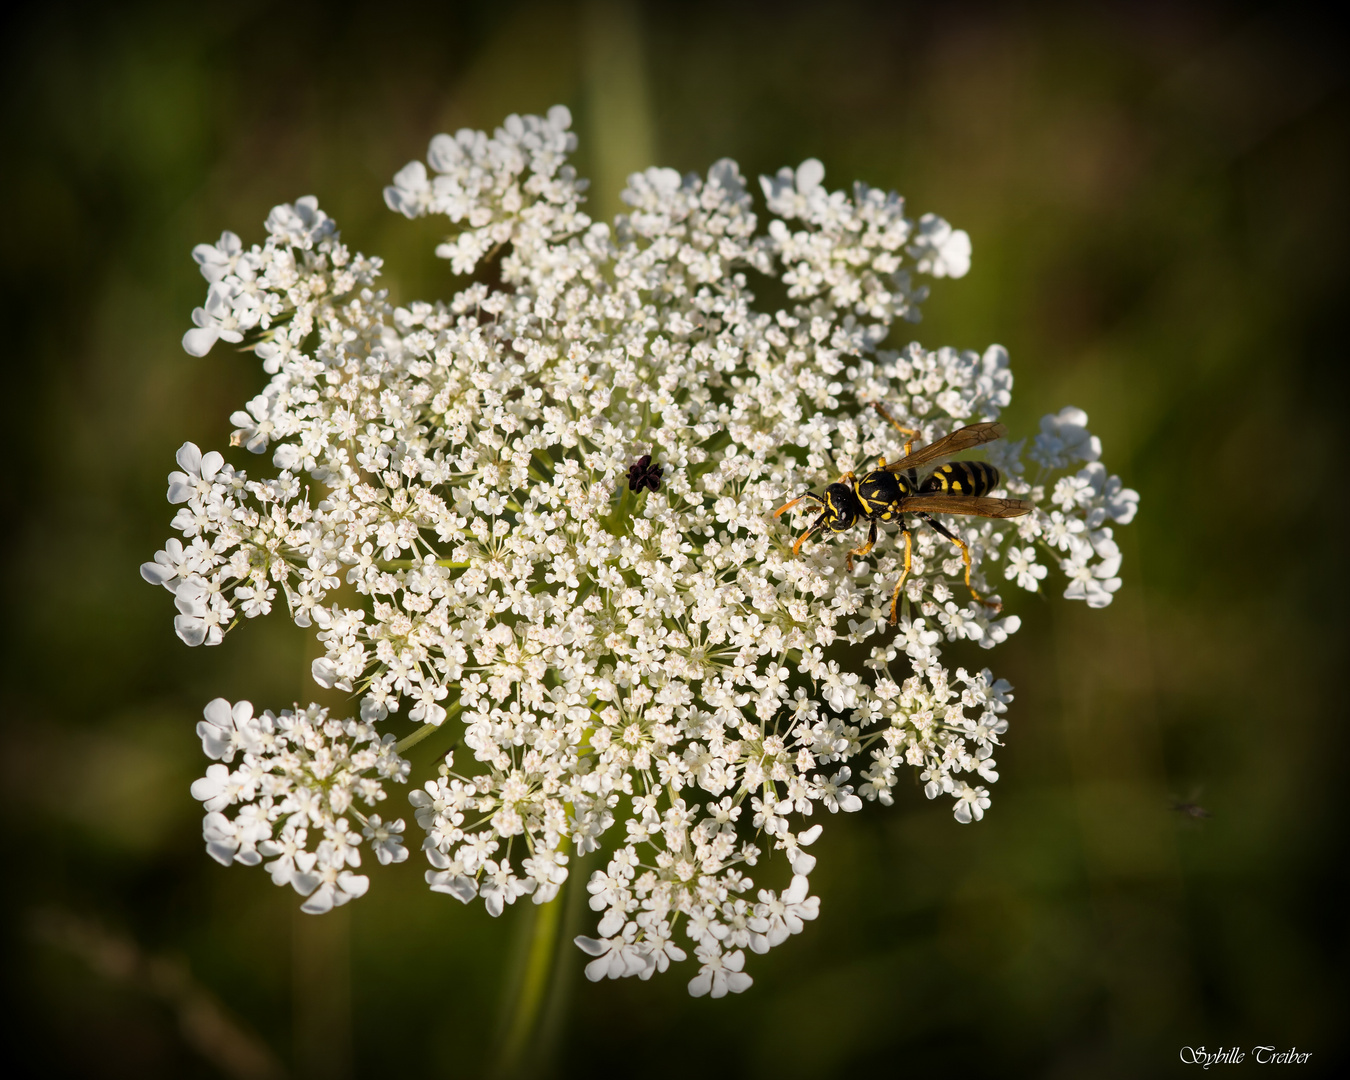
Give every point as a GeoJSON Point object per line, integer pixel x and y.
{"type": "Point", "coordinates": [888, 493]}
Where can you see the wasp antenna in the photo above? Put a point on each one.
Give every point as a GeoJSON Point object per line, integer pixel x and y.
{"type": "Point", "coordinates": [788, 506]}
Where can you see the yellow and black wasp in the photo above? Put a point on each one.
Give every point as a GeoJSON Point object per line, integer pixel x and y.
{"type": "Point", "coordinates": [890, 492]}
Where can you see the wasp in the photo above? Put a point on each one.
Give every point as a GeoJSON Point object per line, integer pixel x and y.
{"type": "Point", "coordinates": [889, 493]}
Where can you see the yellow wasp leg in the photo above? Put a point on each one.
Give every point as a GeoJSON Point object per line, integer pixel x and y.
{"type": "Point", "coordinates": [911, 432]}
{"type": "Point", "coordinates": [797, 547]}
{"type": "Point", "coordinates": [895, 596]}
{"type": "Point", "coordinates": [965, 558]}
{"type": "Point", "coordinates": [860, 551]}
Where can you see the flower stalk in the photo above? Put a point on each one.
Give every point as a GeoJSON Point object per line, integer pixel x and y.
{"type": "Point", "coordinates": [523, 1026]}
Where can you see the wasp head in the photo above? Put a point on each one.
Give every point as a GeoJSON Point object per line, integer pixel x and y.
{"type": "Point", "coordinates": [841, 509]}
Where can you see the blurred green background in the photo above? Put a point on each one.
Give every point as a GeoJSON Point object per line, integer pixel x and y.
{"type": "Point", "coordinates": [1157, 199]}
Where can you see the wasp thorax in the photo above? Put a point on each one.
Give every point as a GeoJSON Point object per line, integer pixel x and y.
{"type": "Point", "coordinates": [879, 494]}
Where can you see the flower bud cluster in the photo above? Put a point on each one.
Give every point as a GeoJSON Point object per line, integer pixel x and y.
{"type": "Point", "coordinates": [646, 668]}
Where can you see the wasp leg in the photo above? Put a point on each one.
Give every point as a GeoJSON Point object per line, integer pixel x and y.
{"type": "Point", "coordinates": [846, 478]}
{"type": "Point", "coordinates": [895, 596]}
{"type": "Point", "coordinates": [871, 543]}
{"type": "Point", "coordinates": [911, 432]}
{"type": "Point", "coordinates": [815, 528]}
{"type": "Point", "coordinates": [965, 558]}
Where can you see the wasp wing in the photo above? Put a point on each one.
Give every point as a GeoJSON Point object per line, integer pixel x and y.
{"type": "Point", "coordinates": [960, 439]}
{"type": "Point", "coordinates": [977, 505]}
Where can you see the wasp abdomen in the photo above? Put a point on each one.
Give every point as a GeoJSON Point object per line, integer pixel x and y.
{"type": "Point", "coordinates": [962, 478]}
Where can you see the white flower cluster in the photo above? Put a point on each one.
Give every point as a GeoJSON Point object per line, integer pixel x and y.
{"type": "Point", "coordinates": [307, 772]}
{"type": "Point", "coordinates": [544, 509]}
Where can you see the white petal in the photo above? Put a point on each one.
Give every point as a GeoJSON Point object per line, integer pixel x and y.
{"type": "Point", "coordinates": [320, 901]}
{"type": "Point", "coordinates": [211, 464]}
{"type": "Point", "coordinates": [189, 457]}
{"type": "Point", "coordinates": [222, 851]}
{"type": "Point", "coordinates": [597, 969]}
{"type": "Point", "coordinates": [157, 573]}
{"type": "Point", "coordinates": [809, 175]}
{"type": "Point", "coordinates": [190, 628]}
{"type": "Point", "coordinates": [436, 857]}
{"type": "Point", "coordinates": [324, 672]}
{"type": "Point", "coordinates": [198, 341]}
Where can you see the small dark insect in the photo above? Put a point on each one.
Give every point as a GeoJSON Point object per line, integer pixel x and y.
{"type": "Point", "coordinates": [1192, 810]}
{"type": "Point", "coordinates": [644, 474]}
{"type": "Point", "coordinates": [1190, 806]}
{"type": "Point", "coordinates": [889, 493]}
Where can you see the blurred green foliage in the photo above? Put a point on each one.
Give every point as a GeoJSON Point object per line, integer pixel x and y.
{"type": "Point", "coordinates": [1157, 199]}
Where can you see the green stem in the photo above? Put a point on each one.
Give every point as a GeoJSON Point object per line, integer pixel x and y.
{"type": "Point", "coordinates": [566, 968]}
{"type": "Point", "coordinates": [529, 1002]}
{"type": "Point", "coordinates": [426, 729]}
{"type": "Point", "coordinates": [416, 737]}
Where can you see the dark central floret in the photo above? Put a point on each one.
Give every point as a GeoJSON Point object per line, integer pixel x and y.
{"type": "Point", "coordinates": [644, 474]}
